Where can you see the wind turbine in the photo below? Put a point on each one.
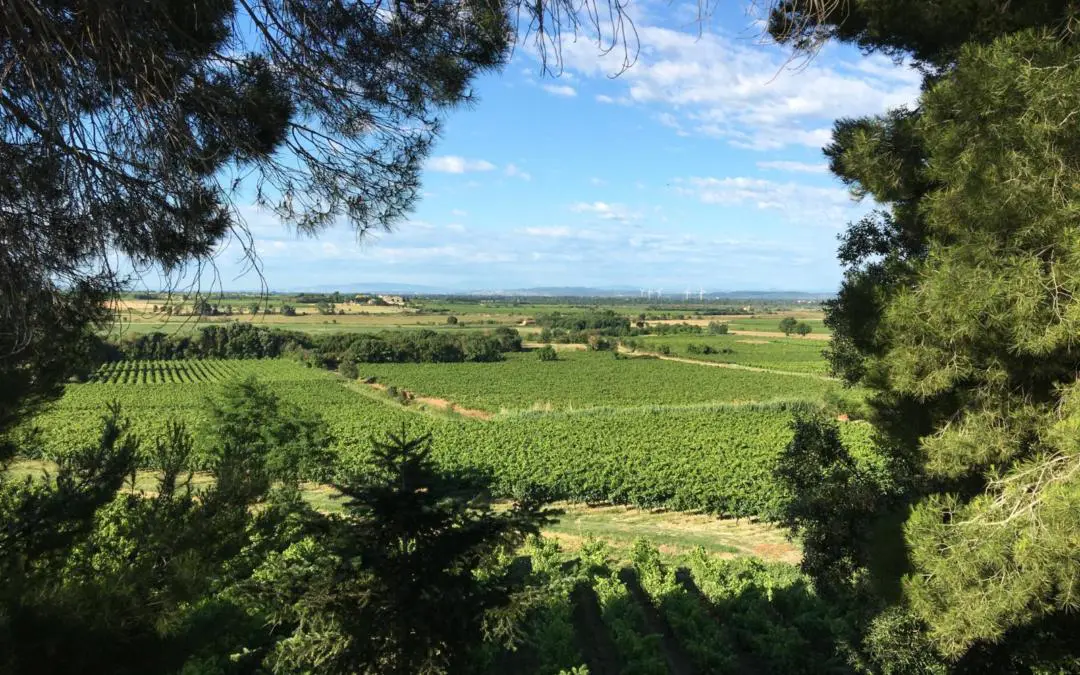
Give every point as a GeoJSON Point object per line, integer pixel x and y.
{"type": "Point", "coordinates": [701, 294]}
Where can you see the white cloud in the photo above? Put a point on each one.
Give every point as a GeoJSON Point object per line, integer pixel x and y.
{"type": "Point", "coordinates": [456, 227]}
{"type": "Point", "coordinates": [459, 213]}
{"type": "Point", "coordinates": [606, 211]}
{"type": "Point", "coordinates": [796, 167]}
{"type": "Point", "coordinates": [455, 164]}
{"type": "Point", "coordinates": [514, 172]}
{"type": "Point", "coordinates": [598, 182]}
{"type": "Point", "coordinates": [560, 90]}
{"type": "Point", "coordinates": [830, 206]}
{"type": "Point", "coordinates": [553, 232]}
{"type": "Point", "coordinates": [732, 89]}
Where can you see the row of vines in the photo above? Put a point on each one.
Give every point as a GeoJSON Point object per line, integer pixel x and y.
{"type": "Point", "coordinates": [164, 372]}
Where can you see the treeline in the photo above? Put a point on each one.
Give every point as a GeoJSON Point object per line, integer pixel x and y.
{"type": "Point", "coordinates": [587, 326]}
{"type": "Point", "coordinates": [229, 341]}
{"type": "Point", "coordinates": [421, 346]}
{"type": "Point", "coordinates": [246, 341]}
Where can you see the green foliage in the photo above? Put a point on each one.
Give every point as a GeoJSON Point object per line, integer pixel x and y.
{"type": "Point", "coordinates": [803, 328]}
{"type": "Point", "coordinates": [717, 328]}
{"type": "Point", "coordinates": [957, 311]}
{"type": "Point", "coordinates": [404, 581]}
{"type": "Point", "coordinates": [261, 439]}
{"type": "Point", "coordinates": [348, 369]}
{"type": "Point", "coordinates": [451, 320]}
{"type": "Point", "coordinates": [234, 340]}
{"type": "Point", "coordinates": [833, 500]}
{"type": "Point", "coordinates": [547, 353]}
{"type": "Point", "coordinates": [419, 346]}
{"type": "Point", "coordinates": [788, 325]}
{"type": "Point", "coordinates": [99, 578]}
{"type": "Point", "coordinates": [288, 310]}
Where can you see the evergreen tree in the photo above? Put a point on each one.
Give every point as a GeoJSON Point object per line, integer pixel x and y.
{"type": "Point", "coordinates": [407, 580]}
{"type": "Point", "coordinates": [957, 310]}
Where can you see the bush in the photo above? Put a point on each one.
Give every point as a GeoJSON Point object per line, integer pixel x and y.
{"type": "Point", "coordinates": [788, 324]}
{"type": "Point", "coordinates": [599, 343]}
{"type": "Point", "coordinates": [288, 310]}
{"type": "Point", "coordinates": [803, 328]}
{"type": "Point", "coordinates": [451, 320]}
{"type": "Point", "coordinates": [547, 353]}
{"type": "Point", "coordinates": [348, 369]}
{"type": "Point", "coordinates": [717, 328]}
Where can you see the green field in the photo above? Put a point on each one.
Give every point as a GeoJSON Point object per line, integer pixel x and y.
{"type": "Point", "coordinates": [713, 457]}
{"type": "Point", "coordinates": [582, 380]}
{"type": "Point", "coordinates": [789, 354]}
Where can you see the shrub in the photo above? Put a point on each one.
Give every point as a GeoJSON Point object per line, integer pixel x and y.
{"type": "Point", "coordinates": [348, 369]}
{"type": "Point", "coordinates": [547, 353]}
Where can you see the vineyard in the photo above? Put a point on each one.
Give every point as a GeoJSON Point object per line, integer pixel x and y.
{"type": "Point", "coordinates": [709, 616]}
{"type": "Point", "coordinates": [712, 457]}
{"type": "Point", "coordinates": [165, 372]}
{"type": "Point", "coordinates": [581, 380]}
{"type": "Point", "coordinates": [788, 354]}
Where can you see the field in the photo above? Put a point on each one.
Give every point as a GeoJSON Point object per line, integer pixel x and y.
{"type": "Point", "coordinates": [583, 380]}
{"type": "Point", "coordinates": [775, 353]}
{"type": "Point", "coordinates": [714, 457]}
{"type": "Point", "coordinates": [137, 315]}
{"type": "Point", "coordinates": [663, 561]}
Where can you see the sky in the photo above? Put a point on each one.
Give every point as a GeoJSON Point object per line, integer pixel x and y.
{"type": "Point", "coordinates": [698, 168]}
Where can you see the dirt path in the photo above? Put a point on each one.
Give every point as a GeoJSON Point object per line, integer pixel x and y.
{"type": "Point", "coordinates": [440, 403]}
{"type": "Point", "coordinates": [718, 364]}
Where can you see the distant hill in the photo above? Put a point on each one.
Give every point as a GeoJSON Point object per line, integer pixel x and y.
{"type": "Point", "coordinates": [396, 288]}
{"type": "Point", "coordinates": [386, 287]}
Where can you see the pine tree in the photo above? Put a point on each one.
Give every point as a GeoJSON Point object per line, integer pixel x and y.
{"type": "Point", "coordinates": [957, 310]}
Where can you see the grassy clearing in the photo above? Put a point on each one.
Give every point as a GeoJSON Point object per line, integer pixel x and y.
{"type": "Point", "coordinates": [676, 534]}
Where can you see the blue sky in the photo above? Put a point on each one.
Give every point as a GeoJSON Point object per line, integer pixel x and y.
{"type": "Point", "coordinates": [700, 167]}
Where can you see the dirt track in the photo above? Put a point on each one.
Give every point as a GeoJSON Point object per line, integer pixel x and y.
{"type": "Point", "coordinates": [440, 403]}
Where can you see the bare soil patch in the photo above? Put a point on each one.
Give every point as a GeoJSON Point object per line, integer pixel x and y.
{"type": "Point", "coordinates": [440, 403]}
{"type": "Point", "coordinates": [558, 346]}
